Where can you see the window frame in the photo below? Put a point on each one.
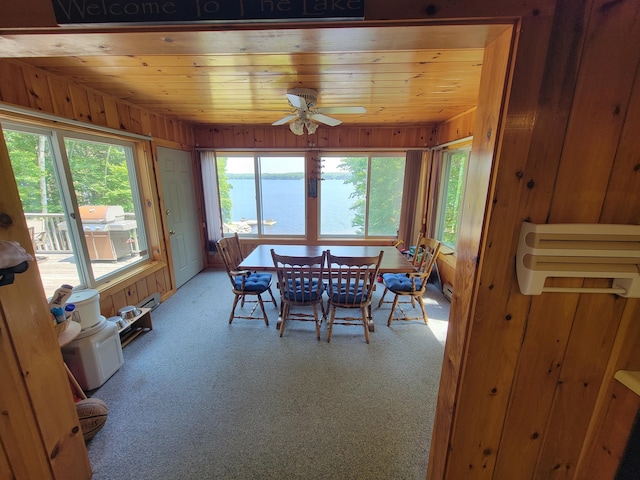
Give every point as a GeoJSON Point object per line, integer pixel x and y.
{"type": "Point", "coordinates": [257, 156]}
{"type": "Point", "coordinates": [370, 155]}
{"type": "Point", "coordinates": [69, 205]}
{"type": "Point", "coordinates": [312, 187]}
{"type": "Point", "coordinates": [447, 153]}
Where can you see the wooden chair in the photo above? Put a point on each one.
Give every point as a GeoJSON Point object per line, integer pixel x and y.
{"type": "Point", "coordinates": [411, 285]}
{"type": "Point", "coordinates": [301, 284]}
{"type": "Point", "coordinates": [244, 282]}
{"type": "Point", "coordinates": [352, 281]}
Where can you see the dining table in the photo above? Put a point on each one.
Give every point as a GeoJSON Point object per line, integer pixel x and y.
{"type": "Point", "coordinates": [393, 261]}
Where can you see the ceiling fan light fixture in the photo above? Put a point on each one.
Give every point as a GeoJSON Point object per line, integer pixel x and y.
{"type": "Point", "coordinates": [311, 127]}
{"type": "Point", "coordinates": [297, 127]}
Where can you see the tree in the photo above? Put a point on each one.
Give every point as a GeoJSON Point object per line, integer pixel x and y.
{"type": "Point", "coordinates": [100, 174]}
{"type": "Point", "coordinates": [33, 169]}
{"type": "Point", "coordinates": [385, 193]}
{"type": "Point", "coordinates": [224, 188]}
{"type": "Point", "coordinates": [455, 186]}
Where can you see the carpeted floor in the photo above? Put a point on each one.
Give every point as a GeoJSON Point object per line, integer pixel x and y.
{"type": "Point", "coordinates": [198, 398]}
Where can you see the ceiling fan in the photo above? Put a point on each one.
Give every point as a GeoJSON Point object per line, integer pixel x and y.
{"type": "Point", "coordinates": [307, 115]}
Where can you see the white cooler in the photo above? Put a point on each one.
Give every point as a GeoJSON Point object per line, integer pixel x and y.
{"type": "Point", "coordinates": [95, 355]}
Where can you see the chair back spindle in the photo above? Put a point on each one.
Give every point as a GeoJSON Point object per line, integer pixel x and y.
{"type": "Point", "coordinates": [352, 281]}
{"type": "Point", "coordinates": [301, 284]}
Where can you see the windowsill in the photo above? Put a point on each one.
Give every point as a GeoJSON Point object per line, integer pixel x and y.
{"type": "Point", "coordinates": [131, 276]}
{"type": "Point", "coordinates": [321, 241]}
{"type": "Point", "coordinates": [446, 250]}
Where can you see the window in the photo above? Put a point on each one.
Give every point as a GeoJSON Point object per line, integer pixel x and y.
{"type": "Point", "coordinates": [361, 196]}
{"type": "Point", "coordinates": [81, 203]}
{"type": "Point", "coordinates": [262, 194]}
{"type": "Point", "coordinates": [454, 172]}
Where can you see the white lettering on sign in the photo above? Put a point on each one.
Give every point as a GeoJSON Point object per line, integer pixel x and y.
{"type": "Point", "coordinates": [207, 7]}
{"type": "Point", "coordinates": [101, 11]}
{"type": "Point", "coordinates": [87, 9]}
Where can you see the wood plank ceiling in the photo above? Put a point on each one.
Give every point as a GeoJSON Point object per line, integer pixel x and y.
{"type": "Point", "coordinates": [402, 75]}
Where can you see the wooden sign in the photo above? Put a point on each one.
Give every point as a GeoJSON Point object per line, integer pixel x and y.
{"type": "Point", "coordinates": [169, 11]}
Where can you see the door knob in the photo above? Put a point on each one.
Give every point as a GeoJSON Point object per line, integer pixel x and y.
{"type": "Point", "coordinates": [168, 212]}
{"type": "Point", "coordinates": [172, 232]}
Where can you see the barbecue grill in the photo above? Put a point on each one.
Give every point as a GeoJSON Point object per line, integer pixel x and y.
{"type": "Point", "coordinates": [106, 231]}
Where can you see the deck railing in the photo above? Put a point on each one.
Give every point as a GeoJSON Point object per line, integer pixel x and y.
{"type": "Point", "coordinates": [49, 235]}
{"type": "Point", "coordinates": [46, 235]}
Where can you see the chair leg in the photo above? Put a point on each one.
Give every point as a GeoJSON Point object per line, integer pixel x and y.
{"type": "Point", "coordinates": [285, 314]}
{"type": "Point", "coordinates": [382, 297]}
{"type": "Point", "coordinates": [331, 320]}
{"type": "Point", "coordinates": [365, 322]}
{"type": "Point", "coordinates": [315, 316]}
{"type": "Point", "coordinates": [393, 308]}
{"type": "Point", "coordinates": [424, 312]}
{"type": "Point", "coordinates": [273, 299]}
{"type": "Point", "coordinates": [233, 309]}
{"type": "Point", "coordinates": [264, 314]}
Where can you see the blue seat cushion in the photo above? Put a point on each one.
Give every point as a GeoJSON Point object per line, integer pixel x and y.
{"type": "Point", "coordinates": [255, 282]}
{"type": "Point", "coordinates": [303, 291]}
{"type": "Point", "coordinates": [400, 282]}
{"type": "Point", "coordinates": [347, 294]}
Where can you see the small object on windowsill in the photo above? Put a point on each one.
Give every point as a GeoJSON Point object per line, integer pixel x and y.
{"type": "Point", "coordinates": [13, 259]}
{"type": "Point", "coordinates": [58, 313]}
{"type": "Point", "coordinates": [60, 296]}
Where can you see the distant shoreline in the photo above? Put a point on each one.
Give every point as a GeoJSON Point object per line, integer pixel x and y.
{"type": "Point", "coordinates": [286, 176]}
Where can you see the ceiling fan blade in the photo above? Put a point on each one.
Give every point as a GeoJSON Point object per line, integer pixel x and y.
{"type": "Point", "coordinates": [320, 118]}
{"type": "Point", "coordinates": [339, 110]}
{"type": "Point", "coordinates": [297, 102]}
{"type": "Point", "coordinates": [286, 119]}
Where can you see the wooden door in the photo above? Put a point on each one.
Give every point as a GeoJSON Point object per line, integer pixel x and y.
{"type": "Point", "coordinates": [181, 213]}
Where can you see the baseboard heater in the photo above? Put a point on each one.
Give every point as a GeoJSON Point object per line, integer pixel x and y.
{"type": "Point", "coordinates": [152, 301]}
{"type": "Point", "coordinates": [447, 290]}
{"type": "Point", "coordinates": [579, 251]}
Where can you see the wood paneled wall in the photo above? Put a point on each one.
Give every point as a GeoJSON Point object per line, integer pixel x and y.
{"type": "Point", "coordinates": [531, 395]}
{"type": "Point", "coordinates": [325, 137]}
{"type": "Point", "coordinates": [50, 94]}
{"type": "Point", "coordinates": [42, 91]}
{"type": "Point", "coordinates": [456, 128]}
{"type": "Point", "coordinates": [527, 382]}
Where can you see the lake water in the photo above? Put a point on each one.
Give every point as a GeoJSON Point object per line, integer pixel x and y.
{"type": "Point", "coordinates": [284, 203]}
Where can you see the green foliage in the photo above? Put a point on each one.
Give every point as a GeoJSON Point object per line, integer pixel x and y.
{"type": "Point", "coordinates": [24, 149]}
{"type": "Point", "coordinates": [385, 202]}
{"type": "Point", "coordinates": [455, 188]}
{"type": "Point", "coordinates": [224, 189]}
{"type": "Point", "coordinates": [357, 168]}
{"type": "Point", "coordinates": [385, 193]}
{"type": "Point", "coordinates": [100, 172]}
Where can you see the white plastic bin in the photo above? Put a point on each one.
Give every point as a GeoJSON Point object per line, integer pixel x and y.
{"type": "Point", "coordinates": [87, 304]}
{"type": "Point", "coordinates": [95, 355]}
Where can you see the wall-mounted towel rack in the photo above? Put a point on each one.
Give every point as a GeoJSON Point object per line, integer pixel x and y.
{"type": "Point", "coordinates": [579, 251]}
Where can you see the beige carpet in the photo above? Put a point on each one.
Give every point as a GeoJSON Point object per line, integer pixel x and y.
{"type": "Point", "coordinates": [198, 398]}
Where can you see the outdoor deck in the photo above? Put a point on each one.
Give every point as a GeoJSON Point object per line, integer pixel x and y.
{"type": "Point", "coordinates": [59, 268]}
